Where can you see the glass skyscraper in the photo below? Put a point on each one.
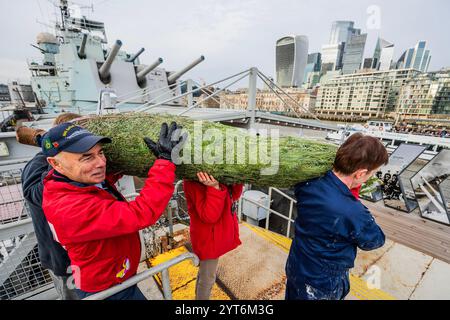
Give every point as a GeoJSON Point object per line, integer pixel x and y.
{"type": "Point", "coordinates": [353, 53]}
{"type": "Point", "coordinates": [425, 61]}
{"type": "Point", "coordinates": [383, 55]}
{"type": "Point", "coordinates": [316, 60]}
{"type": "Point", "coordinates": [368, 62]}
{"type": "Point", "coordinates": [314, 64]}
{"type": "Point", "coordinates": [416, 58]}
{"type": "Point", "coordinates": [291, 60]}
{"type": "Point", "coordinates": [419, 52]}
{"type": "Point", "coordinates": [333, 53]}
{"type": "Point", "coordinates": [341, 31]}
{"type": "Point", "coordinates": [409, 58]}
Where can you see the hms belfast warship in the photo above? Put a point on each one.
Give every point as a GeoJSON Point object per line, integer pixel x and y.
{"type": "Point", "coordinates": [76, 66]}
{"type": "Point", "coordinates": [77, 73]}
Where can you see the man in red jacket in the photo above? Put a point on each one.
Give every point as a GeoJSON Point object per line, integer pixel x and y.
{"type": "Point", "coordinates": [214, 226]}
{"type": "Point", "coordinates": [90, 218]}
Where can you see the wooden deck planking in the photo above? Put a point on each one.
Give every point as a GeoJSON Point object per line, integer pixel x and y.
{"type": "Point", "coordinates": [413, 231]}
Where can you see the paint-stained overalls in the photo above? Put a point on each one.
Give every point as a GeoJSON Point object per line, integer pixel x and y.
{"type": "Point", "coordinates": [331, 224]}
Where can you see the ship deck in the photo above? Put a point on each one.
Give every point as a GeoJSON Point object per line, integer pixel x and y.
{"type": "Point", "coordinates": [412, 230]}
{"type": "Point", "coordinates": [255, 271]}
{"type": "Point", "coordinates": [407, 267]}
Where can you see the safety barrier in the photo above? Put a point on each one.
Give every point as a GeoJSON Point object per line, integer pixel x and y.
{"type": "Point", "coordinates": [269, 210]}
{"type": "Point", "coordinates": [21, 273]}
{"type": "Point", "coordinates": [163, 268]}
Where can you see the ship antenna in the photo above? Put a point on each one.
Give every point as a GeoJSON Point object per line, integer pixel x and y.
{"type": "Point", "coordinates": [64, 7]}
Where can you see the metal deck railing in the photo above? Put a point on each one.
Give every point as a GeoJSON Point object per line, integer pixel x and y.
{"type": "Point", "coordinates": [21, 273]}
{"type": "Point", "coordinates": [163, 268]}
{"type": "Point", "coordinates": [270, 211]}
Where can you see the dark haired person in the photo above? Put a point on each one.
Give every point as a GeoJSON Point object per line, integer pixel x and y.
{"type": "Point", "coordinates": [52, 255]}
{"type": "Point", "coordinates": [332, 223]}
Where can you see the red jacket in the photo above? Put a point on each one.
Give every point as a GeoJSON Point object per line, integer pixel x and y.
{"type": "Point", "coordinates": [214, 229]}
{"type": "Point", "coordinates": [100, 232]}
{"type": "Point", "coordinates": [355, 191]}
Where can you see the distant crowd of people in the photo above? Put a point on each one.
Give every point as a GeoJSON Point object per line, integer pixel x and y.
{"type": "Point", "coordinates": [422, 130]}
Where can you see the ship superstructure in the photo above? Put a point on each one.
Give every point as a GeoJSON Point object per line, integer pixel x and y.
{"type": "Point", "coordinates": [76, 64]}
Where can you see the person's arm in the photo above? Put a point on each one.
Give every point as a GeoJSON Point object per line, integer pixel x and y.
{"type": "Point", "coordinates": [32, 177]}
{"type": "Point", "coordinates": [82, 217]}
{"type": "Point", "coordinates": [369, 236]}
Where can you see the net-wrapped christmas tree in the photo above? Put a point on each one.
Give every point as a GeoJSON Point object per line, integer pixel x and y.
{"type": "Point", "coordinates": [231, 155]}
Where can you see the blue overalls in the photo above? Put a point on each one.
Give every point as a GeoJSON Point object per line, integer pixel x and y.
{"type": "Point", "coordinates": [331, 224]}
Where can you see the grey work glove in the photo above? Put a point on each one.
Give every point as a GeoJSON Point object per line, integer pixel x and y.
{"type": "Point", "coordinates": [167, 141]}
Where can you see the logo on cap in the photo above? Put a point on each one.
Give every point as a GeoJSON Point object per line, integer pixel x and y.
{"type": "Point", "coordinates": [77, 133]}
{"type": "Point", "coordinates": [66, 131]}
{"type": "Point", "coordinates": [47, 143]}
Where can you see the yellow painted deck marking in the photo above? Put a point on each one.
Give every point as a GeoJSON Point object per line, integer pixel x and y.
{"type": "Point", "coordinates": [358, 286]}
{"type": "Point", "coordinates": [360, 290]}
{"type": "Point", "coordinates": [277, 239]}
{"type": "Point", "coordinates": [183, 277]}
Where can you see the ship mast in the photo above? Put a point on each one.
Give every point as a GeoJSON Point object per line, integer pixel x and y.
{"type": "Point", "coordinates": [64, 7]}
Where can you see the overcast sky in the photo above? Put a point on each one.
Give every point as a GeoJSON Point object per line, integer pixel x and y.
{"type": "Point", "coordinates": [232, 34]}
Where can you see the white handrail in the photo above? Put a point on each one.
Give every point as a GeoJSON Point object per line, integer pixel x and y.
{"type": "Point", "coordinates": [194, 90]}
{"type": "Point", "coordinates": [214, 94]}
{"type": "Point", "coordinates": [270, 210]}
{"type": "Point", "coordinates": [163, 268]}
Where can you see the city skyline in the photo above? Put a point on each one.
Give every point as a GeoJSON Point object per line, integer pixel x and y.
{"type": "Point", "coordinates": [232, 35]}
{"type": "Point", "coordinates": [343, 54]}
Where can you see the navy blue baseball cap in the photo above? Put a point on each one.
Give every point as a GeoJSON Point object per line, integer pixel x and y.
{"type": "Point", "coordinates": [70, 138]}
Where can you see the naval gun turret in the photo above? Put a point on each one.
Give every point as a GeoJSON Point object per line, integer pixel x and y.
{"type": "Point", "coordinates": [76, 67]}
{"type": "Point", "coordinates": [173, 77]}
{"type": "Point", "coordinates": [82, 50]}
{"type": "Point", "coordinates": [106, 66]}
{"type": "Point", "coordinates": [135, 56]}
{"type": "Point", "coordinates": [141, 75]}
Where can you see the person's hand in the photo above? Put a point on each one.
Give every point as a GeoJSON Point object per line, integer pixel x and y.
{"type": "Point", "coordinates": [167, 141]}
{"type": "Point", "coordinates": [208, 180]}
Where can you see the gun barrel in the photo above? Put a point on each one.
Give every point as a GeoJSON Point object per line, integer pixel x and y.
{"type": "Point", "coordinates": [141, 74]}
{"type": "Point", "coordinates": [81, 51]}
{"type": "Point", "coordinates": [106, 66]}
{"type": "Point", "coordinates": [137, 54]}
{"type": "Point", "coordinates": [176, 75]}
